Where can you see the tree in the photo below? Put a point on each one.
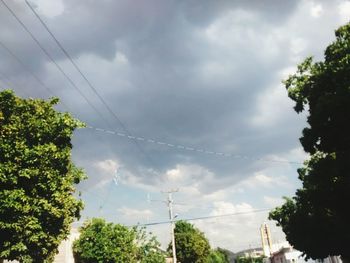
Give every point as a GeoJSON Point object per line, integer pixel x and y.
{"type": "Point", "coordinates": [114, 243]}
{"type": "Point", "coordinates": [316, 220]}
{"type": "Point", "coordinates": [148, 247]}
{"type": "Point", "coordinates": [104, 242]}
{"type": "Point", "coordinates": [191, 244]}
{"type": "Point", "coordinates": [218, 256]}
{"type": "Point", "coordinates": [37, 178]}
{"type": "Point", "coordinates": [249, 259]}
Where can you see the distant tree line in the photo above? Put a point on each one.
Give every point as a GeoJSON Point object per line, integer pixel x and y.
{"type": "Point", "coordinates": [105, 242]}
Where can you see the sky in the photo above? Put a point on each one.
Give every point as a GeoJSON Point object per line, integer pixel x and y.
{"type": "Point", "coordinates": [184, 95]}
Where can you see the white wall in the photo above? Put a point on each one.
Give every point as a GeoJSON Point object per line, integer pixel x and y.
{"type": "Point", "coordinates": [65, 252]}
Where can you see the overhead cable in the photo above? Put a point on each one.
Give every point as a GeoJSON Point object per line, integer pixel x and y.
{"type": "Point", "coordinates": [127, 133]}
{"type": "Point", "coordinates": [13, 55]}
{"type": "Point", "coordinates": [103, 101]}
{"type": "Point", "coordinates": [187, 148]}
{"type": "Point", "coordinates": [54, 62]}
{"type": "Point", "coordinates": [207, 217]}
{"type": "Point", "coordinates": [26, 68]}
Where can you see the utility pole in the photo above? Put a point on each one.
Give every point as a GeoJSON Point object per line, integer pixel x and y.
{"type": "Point", "coordinates": [169, 202]}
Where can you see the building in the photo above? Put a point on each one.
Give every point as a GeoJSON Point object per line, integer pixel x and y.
{"type": "Point", "coordinates": [65, 251]}
{"type": "Point", "coordinates": [291, 255]}
{"type": "Point", "coordinates": [287, 255]}
{"type": "Point", "coordinates": [250, 253]}
{"type": "Point", "coordinates": [331, 259]}
{"type": "Point", "coordinates": [283, 252]}
{"type": "Point", "coordinates": [268, 246]}
{"type": "Point", "coordinates": [266, 240]}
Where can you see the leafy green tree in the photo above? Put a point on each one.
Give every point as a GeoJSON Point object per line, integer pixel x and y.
{"type": "Point", "coordinates": [104, 242]}
{"type": "Point", "coordinates": [37, 178]}
{"type": "Point", "coordinates": [148, 247]}
{"type": "Point", "coordinates": [249, 259]}
{"type": "Point", "coordinates": [316, 220]}
{"type": "Point", "coordinates": [191, 244]}
{"type": "Point", "coordinates": [218, 256]}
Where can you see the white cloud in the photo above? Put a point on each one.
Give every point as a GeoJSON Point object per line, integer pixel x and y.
{"type": "Point", "coordinates": [121, 58]}
{"type": "Point", "coordinates": [298, 45]}
{"type": "Point", "coordinates": [191, 190]}
{"type": "Point", "coordinates": [136, 181]}
{"type": "Point", "coordinates": [187, 177]}
{"type": "Point", "coordinates": [225, 31]}
{"type": "Point", "coordinates": [272, 106]}
{"type": "Point", "coordinates": [217, 195]}
{"type": "Point", "coordinates": [286, 72]}
{"type": "Point", "coordinates": [106, 170]}
{"type": "Point", "coordinates": [107, 166]}
{"type": "Point", "coordinates": [223, 207]}
{"type": "Point", "coordinates": [344, 11]}
{"type": "Point", "coordinates": [297, 155]}
{"type": "Point", "coordinates": [263, 179]}
{"type": "Point", "coordinates": [135, 214]}
{"type": "Point", "coordinates": [232, 39]}
{"type": "Point", "coordinates": [260, 180]}
{"type": "Point", "coordinates": [50, 8]}
{"type": "Point", "coordinates": [235, 232]}
{"type": "Point", "coordinates": [244, 228]}
{"type": "Point", "coordinates": [316, 10]}
{"type": "Point", "coordinates": [273, 201]}
{"type": "Point", "coordinates": [174, 175]}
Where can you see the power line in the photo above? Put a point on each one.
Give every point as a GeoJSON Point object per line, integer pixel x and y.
{"type": "Point", "coordinates": [13, 55]}
{"type": "Point", "coordinates": [5, 79]}
{"type": "Point", "coordinates": [103, 199]}
{"type": "Point", "coordinates": [187, 148]}
{"type": "Point", "coordinates": [87, 81]}
{"type": "Point", "coordinates": [10, 84]}
{"type": "Point", "coordinates": [75, 65]}
{"type": "Point", "coordinates": [26, 68]}
{"type": "Point", "coordinates": [127, 132]}
{"type": "Point", "coordinates": [53, 61]}
{"type": "Point", "coordinates": [207, 217]}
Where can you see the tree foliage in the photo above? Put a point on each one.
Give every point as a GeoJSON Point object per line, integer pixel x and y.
{"type": "Point", "coordinates": [243, 259]}
{"type": "Point", "coordinates": [104, 242]}
{"type": "Point", "coordinates": [37, 178]}
{"type": "Point", "coordinates": [316, 220]}
{"type": "Point", "coordinates": [148, 247]}
{"type": "Point", "coordinates": [191, 244]}
{"type": "Point", "coordinates": [218, 256]}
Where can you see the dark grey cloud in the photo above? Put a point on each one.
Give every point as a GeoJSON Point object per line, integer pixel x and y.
{"type": "Point", "coordinates": [184, 72]}
{"type": "Point", "coordinates": [99, 26]}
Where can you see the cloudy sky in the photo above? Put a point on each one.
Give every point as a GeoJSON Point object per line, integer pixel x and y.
{"type": "Point", "coordinates": [196, 85]}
